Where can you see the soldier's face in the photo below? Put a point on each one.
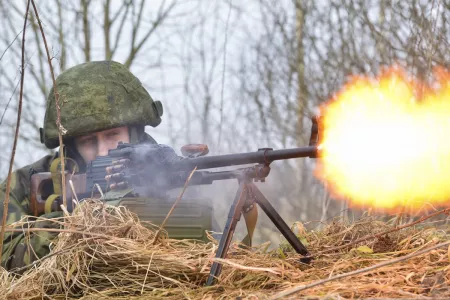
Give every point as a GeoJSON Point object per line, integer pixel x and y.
{"type": "Point", "coordinates": [98, 143]}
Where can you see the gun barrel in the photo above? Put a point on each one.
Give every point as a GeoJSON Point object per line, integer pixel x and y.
{"type": "Point", "coordinates": [261, 156]}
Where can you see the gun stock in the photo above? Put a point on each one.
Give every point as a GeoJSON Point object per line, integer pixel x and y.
{"type": "Point", "coordinates": [43, 196]}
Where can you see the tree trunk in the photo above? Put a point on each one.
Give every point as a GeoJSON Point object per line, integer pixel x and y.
{"type": "Point", "coordinates": [301, 92]}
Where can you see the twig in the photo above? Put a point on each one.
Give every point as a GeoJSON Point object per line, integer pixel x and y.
{"type": "Point", "coordinates": [359, 271]}
{"type": "Point", "coordinates": [16, 136]}
{"type": "Point", "coordinates": [9, 46]}
{"type": "Point", "coordinates": [378, 235]}
{"type": "Point", "coordinates": [173, 206]}
{"type": "Point", "coordinates": [146, 273]}
{"type": "Point", "coordinates": [246, 268]}
{"type": "Point", "coordinates": [73, 190]}
{"type": "Point", "coordinates": [399, 216]}
{"type": "Point", "coordinates": [27, 230]}
{"type": "Point", "coordinates": [9, 101]}
{"type": "Point", "coordinates": [58, 109]}
{"type": "Point", "coordinates": [18, 270]}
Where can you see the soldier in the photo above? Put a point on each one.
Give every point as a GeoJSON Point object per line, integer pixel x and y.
{"type": "Point", "coordinates": [101, 103]}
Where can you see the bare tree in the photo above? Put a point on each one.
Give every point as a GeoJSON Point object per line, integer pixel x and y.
{"type": "Point", "coordinates": [127, 31]}
{"type": "Point", "coordinates": [304, 52]}
{"type": "Point", "coordinates": [251, 73]}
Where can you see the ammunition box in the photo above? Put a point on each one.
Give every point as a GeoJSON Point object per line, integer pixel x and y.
{"type": "Point", "coordinates": [190, 219]}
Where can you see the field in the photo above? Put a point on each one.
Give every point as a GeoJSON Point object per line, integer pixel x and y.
{"type": "Point", "coordinates": [105, 252]}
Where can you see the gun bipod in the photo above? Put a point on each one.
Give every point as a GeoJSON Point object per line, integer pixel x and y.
{"type": "Point", "coordinates": [248, 194]}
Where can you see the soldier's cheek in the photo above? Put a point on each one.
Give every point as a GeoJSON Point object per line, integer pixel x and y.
{"type": "Point", "coordinates": [88, 152]}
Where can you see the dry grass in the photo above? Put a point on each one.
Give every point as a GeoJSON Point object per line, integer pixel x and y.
{"type": "Point", "coordinates": [107, 253]}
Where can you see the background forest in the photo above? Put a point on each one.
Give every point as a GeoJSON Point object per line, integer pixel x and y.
{"type": "Point", "coordinates": [236, 75]}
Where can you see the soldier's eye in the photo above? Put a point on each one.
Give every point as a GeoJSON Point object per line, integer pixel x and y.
{"type": "Point", "coordinates": [111, 134]}
{"type": "Point", "coordinates": [87, 141]}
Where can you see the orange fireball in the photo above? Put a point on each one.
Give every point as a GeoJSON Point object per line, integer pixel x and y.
{"type": "Point", "coordinates": [386, 142]}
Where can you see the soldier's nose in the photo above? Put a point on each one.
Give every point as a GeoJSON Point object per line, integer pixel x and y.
{"type": "Point", "coordinates": [102, 149]}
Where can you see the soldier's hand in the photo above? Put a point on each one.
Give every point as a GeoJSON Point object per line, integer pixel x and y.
{"type": "Point", "coordinates": [116, 175]}
{"type": "Point", "coordinates": [140, 165]}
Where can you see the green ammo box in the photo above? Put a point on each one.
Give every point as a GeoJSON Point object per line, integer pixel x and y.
{"type": "Point", "coordinates": [189, 220]}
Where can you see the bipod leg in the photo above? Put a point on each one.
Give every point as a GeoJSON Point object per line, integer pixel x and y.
{"type": "Point", "coordinates": [279, 222]}
{"type": "Point", "coordinates": [234, 216]}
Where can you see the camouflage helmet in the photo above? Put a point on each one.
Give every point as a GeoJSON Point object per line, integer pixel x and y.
{"type": "Point", "coordinates": [96, 96]}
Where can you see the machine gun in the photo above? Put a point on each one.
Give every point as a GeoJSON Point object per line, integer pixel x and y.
{"type": "Point", "coordinates": [152, 170]}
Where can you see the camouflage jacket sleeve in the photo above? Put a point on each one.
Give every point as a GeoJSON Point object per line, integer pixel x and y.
{"type": "Point", "coordinates": [21, 248]}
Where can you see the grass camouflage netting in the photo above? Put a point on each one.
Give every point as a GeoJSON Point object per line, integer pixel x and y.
{"type": "Point", "coordinates": [105, 252]}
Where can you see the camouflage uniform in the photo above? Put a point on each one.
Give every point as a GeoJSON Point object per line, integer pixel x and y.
{"type": "Point", "coordinates": [94, 96]}
{"type": "Point", "coordinates": [14, 244]}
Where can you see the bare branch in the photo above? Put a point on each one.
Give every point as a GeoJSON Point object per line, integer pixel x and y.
{"type": "Point", "coordinates": [162, 15]}
{"type": "Point", "coordinates": [16, 136]}
{"type": "Point", "coordinates": [86, 29]}
{"type": "Point", "coordinates": [121, 25]}
{"type": "Point", "coordinates": [106, 30]}
{"type": "Point", "coordinates": [61, 37]}
{"type": "Point", "coordinates": [58, 109]}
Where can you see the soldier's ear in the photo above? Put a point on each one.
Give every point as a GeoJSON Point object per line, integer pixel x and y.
{"type": "Point", "coordinates": [138, 135]}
